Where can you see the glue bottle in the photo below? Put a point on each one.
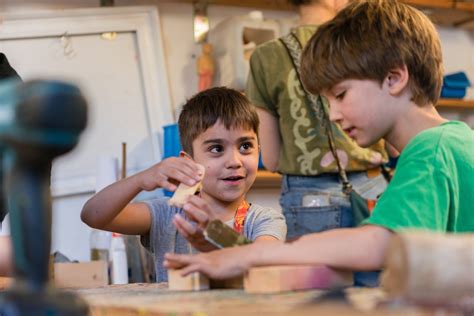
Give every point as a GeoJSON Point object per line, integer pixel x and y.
{"type": "Point", "coordinates": [119, 260]}
{"type": "Point", "coordinates": [100, 244]}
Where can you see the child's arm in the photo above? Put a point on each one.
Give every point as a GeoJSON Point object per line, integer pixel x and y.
{"type": "Point", "coordinates": [357, 249]}
{"type": "Point", "coordinates": [269, 139]}
{"type": "Point", "coordinates": [5, 256]}
{"type": "Point", "coordinates": [110, 210]}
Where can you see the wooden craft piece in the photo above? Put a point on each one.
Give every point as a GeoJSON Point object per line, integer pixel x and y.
{"type": "Point", "coordinates": [192, 282]}
{"type": "Point", "coordinates": [184, 191]}
{"type": "Point", "coordinates": [430, 267]}
{"type": "Point", "coordinates": [275, 279]}
{"type": "Point", "coordinates": [5, 283]}
{"type": "Point", "coordinates": [83, 274]}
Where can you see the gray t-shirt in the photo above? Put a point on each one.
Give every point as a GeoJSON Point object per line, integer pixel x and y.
{"type": "Point", "coordinates": [164, 237]}
{"type": "Point", "coordinates": [5, 226]}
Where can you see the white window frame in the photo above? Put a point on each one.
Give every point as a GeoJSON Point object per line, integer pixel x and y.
{"type": "Point", "coordinates": [144, 22]}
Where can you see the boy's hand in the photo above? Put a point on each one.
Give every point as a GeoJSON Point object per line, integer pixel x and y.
{"type": "Point", "coordinates": [193, 233]}
{"type": "Point", "coordinates": [169, 172]}
{"type": "Point", "coordinates": [198, 211]}
{"type": "Point", "coordinates": [219, 264]}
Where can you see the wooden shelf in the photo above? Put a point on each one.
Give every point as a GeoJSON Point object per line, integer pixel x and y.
{"type": "Point", "coordinates": [267, 180]}
{"type": "Point", "coordinates": [444, 12]}
{"type": "Point", "coordinates": [257, 4]}
{"type": "Point", "coordinates": [456, 103]}
{"type": "Point", "coordinates": [447, 12]}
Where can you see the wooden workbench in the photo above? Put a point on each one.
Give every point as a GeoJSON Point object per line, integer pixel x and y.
{"type": "Point", "coordinates": [156, 299]}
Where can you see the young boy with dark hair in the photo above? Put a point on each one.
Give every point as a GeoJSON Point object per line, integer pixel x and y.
{"type": "Point", "coordinates": [379, 64]}
{"type": "Point", "coordinates": [218, 132]}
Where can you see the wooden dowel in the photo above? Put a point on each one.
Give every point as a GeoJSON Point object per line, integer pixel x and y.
{"type": "Point", "coordinates": [430, 266]}
{"type": "Point", "coordinates": [124, 160]}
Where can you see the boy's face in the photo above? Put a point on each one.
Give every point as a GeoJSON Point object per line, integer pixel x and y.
{"type": "Point", "coordinates": [362, 108]}
{"type": "Point", "coordinates": [230, 157]}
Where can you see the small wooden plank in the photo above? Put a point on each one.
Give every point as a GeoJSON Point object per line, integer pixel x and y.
{"type": "Point", "coordinates": [276, 279]}
{"type": "Point", "coordinates": [81, 275]}
{"type": "Point", "coordinates": [192, 282]}
{"type": "Point", "coordinates": [5, 282]}
{"type": "Point", "coordinates": [184, 191]}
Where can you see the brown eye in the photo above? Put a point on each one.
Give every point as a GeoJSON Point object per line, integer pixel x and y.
{"type": "Point", "coordinates": [246, 147]}
{"type": "Point", "coordinates": [216, 149]}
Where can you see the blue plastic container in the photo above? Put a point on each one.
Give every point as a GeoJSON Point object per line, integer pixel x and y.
{"type": "Point", "coordinates": [455, 85]}
{"type": "Point", "coordinates": [453, 93]}
{"type": "Point", "coordinates": [171, 144]}
{"type": "Point", "coordinates": [171, 141]}
{"type": "Point", "coordinates": [260, 162]}
{"type": "Point", "coordinates": [456, 80]}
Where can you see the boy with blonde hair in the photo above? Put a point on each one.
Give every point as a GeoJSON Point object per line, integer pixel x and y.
{"type": "Point", "coordinates": [378, 62]}
{"type": "Point", "coordinates": [218, 132]}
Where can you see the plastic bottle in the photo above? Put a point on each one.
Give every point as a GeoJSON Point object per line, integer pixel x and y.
{"type": "Point", "coordinates": [119, 260]}
{"type": "Point", "coordinates": [100, 244]}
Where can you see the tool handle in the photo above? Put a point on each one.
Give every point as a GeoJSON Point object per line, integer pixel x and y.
{"type": "Point", "coordinates": [29, 201]}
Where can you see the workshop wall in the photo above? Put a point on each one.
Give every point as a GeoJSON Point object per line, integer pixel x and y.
{"type": "Point", "coordinates": [70, 236]}
{"type": "Point", "coordinates": [177, 23]}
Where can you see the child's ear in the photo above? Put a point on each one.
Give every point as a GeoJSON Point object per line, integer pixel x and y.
{"type": "Point", "coordinates": [185, 154]}
{"type": "Point", "coordinates": [397, 79]}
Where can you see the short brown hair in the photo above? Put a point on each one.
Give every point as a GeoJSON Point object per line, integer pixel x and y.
{"type": "Point", "coordinates": [368, 38]}
{"type": "Point", "coordinates": [204, 109]}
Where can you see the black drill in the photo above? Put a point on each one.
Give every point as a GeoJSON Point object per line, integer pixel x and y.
{"type": "Point", "coordinates": [39, 121]}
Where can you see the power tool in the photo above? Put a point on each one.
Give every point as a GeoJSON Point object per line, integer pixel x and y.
{"type": "Point", "coordinates": [39, 121]}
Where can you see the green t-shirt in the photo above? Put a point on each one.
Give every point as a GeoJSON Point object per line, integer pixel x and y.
{"type": "Point", "coordinates": [274, 86]}
{"type": "Point", "coordinates": [433, 185]}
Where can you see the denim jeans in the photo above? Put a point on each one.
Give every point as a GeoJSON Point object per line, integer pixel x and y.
{"type": "Point", "coordinates": [316, 203]}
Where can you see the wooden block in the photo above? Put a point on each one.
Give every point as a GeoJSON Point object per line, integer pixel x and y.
{"type": "Point", "coordinates": [83, 274]}
{"type": "Point", "coordinates": [5, 282]}
{"type": "Point", "coordinates": [193, 282]}
{"type": "Point", "coordinates": [275, 279]}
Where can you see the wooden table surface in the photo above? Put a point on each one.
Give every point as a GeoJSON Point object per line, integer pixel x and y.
{"type": "Point", "coordinates": [155, 299]}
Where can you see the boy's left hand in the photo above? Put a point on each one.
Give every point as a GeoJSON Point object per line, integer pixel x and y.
{"type": "Point", "coordinates": [198, 211]}
{"type": "Point", "coordinates": [193, 233]}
